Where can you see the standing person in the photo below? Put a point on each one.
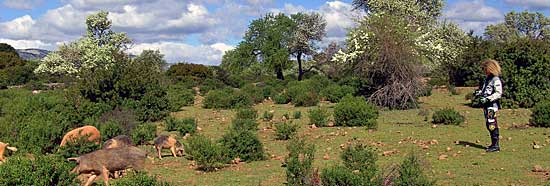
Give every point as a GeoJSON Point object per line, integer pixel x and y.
{"type": "Point", "coordinates": [489, 95]}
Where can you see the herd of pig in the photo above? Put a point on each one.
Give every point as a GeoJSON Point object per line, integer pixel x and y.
{"type": "Point", "coordinates": [117, 155]}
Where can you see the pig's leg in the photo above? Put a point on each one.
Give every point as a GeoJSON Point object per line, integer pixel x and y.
{"type": "Point", "coordinates": [105, 174]}
{"type": "Point", "coordinates": [173, 149]}
{"type": "Point", "coordinates": [90, 180]}
{"type": "Point", "coordinates": [158, 152]}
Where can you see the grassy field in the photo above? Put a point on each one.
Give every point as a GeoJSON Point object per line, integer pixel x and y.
{"type": "Point", "coordinates": [402, 132]}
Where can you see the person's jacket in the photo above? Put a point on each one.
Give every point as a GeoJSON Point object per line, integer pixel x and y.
{"type": "Point", "coordinates": [492, 90]}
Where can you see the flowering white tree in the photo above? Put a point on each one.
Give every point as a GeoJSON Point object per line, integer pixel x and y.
{"type": "Point", "coordinates": [99, 48]}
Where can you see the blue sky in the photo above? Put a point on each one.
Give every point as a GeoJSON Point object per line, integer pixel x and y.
{"type": "Point", "coordinates": [199, 31]}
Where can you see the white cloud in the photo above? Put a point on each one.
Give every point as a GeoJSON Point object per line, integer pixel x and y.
{"type": "Point", "coordinates": [18, 28]}
{"type": "Point", "coordinates": [339, 16]}
{"type": "Point", "coordinates": [22, 4]}
{"type": "Point", "coordinates": [131, 18]}
{"type": "Point", "coordinates": [196, 19]}
{"type": "Point", "coordinates": [181, 52]}
{"type": "Point", "coordinates": [24, 44]}
{"type": "Point", "coordinates": [474, 15]}
{"type": "Point", "coordinates": [222, 47]}
{"type": "Point", "coordinates": [532, 4]}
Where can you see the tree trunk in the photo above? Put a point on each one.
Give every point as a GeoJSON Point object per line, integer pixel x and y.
{"type": "Point", "coordinates": [300, 71]}
{"type": "Point", "coordinates": [279, 72]}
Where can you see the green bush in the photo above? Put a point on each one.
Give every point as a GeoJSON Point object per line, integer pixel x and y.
{"type": "Point", "coordinates": [211, 84]}
{"type": "Point", "coordinates": [286, 115]}
{"type": "Point", "coordinates": [299, 163]}
{"type": "Point", "coordinates": [340, 175]}
{"type": "Point", "coordinates": [411, 173]}
{"type": "Point", "coordinates": [109, 130]}
{"type": "Point", "coordinates": [255, 93]}
{"type": "Point", "coordinates": [179, 97]}
{"type": "Point", "coordinates": [244, 124]}
{"type": "Point", "coordinates": [362, 158]}
{"type": "Point", "coordinates": [303, 94]}
{"type": "Point", "coordinates": [268, 91]}
{"type": "Point", "coordinates": [144, 133]}
{"type": "Point", "coordinates": [285, 131]}
{"type": "Point", "coordinates": [281, 98]}
{"type": "Point", "coordinates": [452, 90]}
{"type": "Point", "coordinates": [426, 90]}
{"type": "Point", "coordinates": [297, 114]}
{"type": "Point", "coordinates": [318, 116]}
{"type": "Point", "coordinates": [226, 99]}
{"type": "Point", "coordinates": [208, 155]}
{"type": "Point", "coordinates": [244, 144]}
{"type": "Point", "coordinates": [187, 69]}
{"type": "Point", "coordinates": [355, 111]}
{"type": "Point", "coordinates": [334, 92]}
{"type": "Point", "coordinates": [183, 126]}
{"type": "Point", "coordinates": [77, 148]}
{"type": "Point", "coordinates": [124, 118]}
{"type": "Point", "coordinates": [137, 179]}
{"type": "Point", "coordinates": [267, 116]}
{"type": "Point", "coordinates": [447, 117]}
{"type": "Point", "coordinates": [540, 116]}
{"type": "Point", "coordinates": [40, 170]}
{"type": "Point", "coordinates": [247, 113]}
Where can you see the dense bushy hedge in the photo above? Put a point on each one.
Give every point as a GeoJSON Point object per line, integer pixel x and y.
{"type": "Point", "coordinates": [39, 170]}
{"type": "Point", "coordinates": [285, 130]}
{"type": "Point", "coordinates": [243, 144]}
{"type": "Point", "coordinates": [180, 70]}
{"type": "Point", "coordinates": [281, 98]}
{"type": "Point", "coordinates": [180, 96]}
{"type": "Point", "coordinates": [183, 126]}
{"type": "Point", "coordinates": [359, 168]}
{"type": "Point", "coordinates": [303, 93]}
{"type": "Point", "coordinates": [144, 133]}
{"type": "Point", "coordinates": [299, 163]}
{"type": "Point", "coordinates": [411, 172]}
{"type": "Point", "coordinates": [334, 92]}
{"type": "Point", "coordinates": [138, 179]}
{"type": "Point", "coordinates": [541, 114]}
{"type": "Point", "coordinates": [255, 93]}
{"type": "Point", "coordinates": [447, 117]}
{"type": "Point", "coordinates": [208, 155]}
{"type": "Point", "coordinates": [319, 116]}
{"type": "Point", "coordinates": [247, 113]}
{"type": "Point", "coordinates": [226, 98]}
{"type": "Point", "coordinates": [355, 111]}
{"type": "Point", "coordinates": [525, 73]}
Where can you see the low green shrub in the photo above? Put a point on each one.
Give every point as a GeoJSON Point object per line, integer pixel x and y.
{"type": "Point", "coordinates": [40, 170]}
{"type": "Point", "coordinates": [297, 114]}
{"type": "Point", "coordinates": [77, 148]}
{"type": "Point", "coordinates": [243, 144]}
{"type": "Point", "coordinates": [144, 133]}
{"type": "Point", "coordinates": [340, 175]}
{"type": "Point", "coordinates": [247, 113]}
{"type": "Point", "coordinates": [183, 126]}
{"type": "Point", "coordinates": [267, 116]}
{"type": "Point", "coordinates": [362, 158]}
{"type": "Point", "coordinates": [208, 155]}
{"type": "Point", "coordinates": [109, 130]}
{"type": "Point", "coordinates": [124, 118]}
{"type": "Point", "coordinates": [211, 84]}
{"type": "Point", "coordinates": [447, 117]}
{"type": "Point", "coordinates": [138, 179]}
{"type": "Point", "coordinates": [281, 98]}
{"type": "Point", "coordinates": [299, 163]}
{"type": "Point", "coordinates": [426, 91]}
{"type": "Point", "coordinates": [334, 92]}
{"type": "Point", "coordinates": [319, 116]}
{"type": "Point", "coordinates": [268, 91]}
{"type": "Point", "coordinates": [244, 124]}
{"type": "Point", "coordinates": [255, 93]}
{"type": "Point", "coordinates": [355, 111]}
{"type": "Point", "coordinates": [226, 99]}
{"type": "Point", "coordinates": [540, 116]}
{"type": "Point", "coordinates": [285, 131]}
{"type": "Point", "coordinates": [179, 96]}
{"type": "Point", "coordinates": [452, 90]}
{"type": "Point", "coordinates": [303, 94]}
{"type": "Point", "coordinates": [286, 115]}
{"type": "Point", "coordinates": [411, 173]}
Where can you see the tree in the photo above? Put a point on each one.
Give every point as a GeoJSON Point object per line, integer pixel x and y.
{"type": "Point", "coordinates": [310, 28]}
{"type": "Point", "coordinates": [520, 25]}
{"type": "Point", "coordinates": [99, 48]}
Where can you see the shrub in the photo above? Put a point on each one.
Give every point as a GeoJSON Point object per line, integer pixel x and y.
{"type": "Point", "coordinates": [426, 90]}
{"type": "Point", "coordinates": [268, 116]}
{"type": "Point", "coordinates": [297, 114]}
{"type": "Point", "coordinates": [208, 155]}
{"type": "Point", "coordinates": [340, 175]}
{"type": "Point", "coordinates": [183, 126]}
{"type": "Point", "coordinates": [334, 92]}
{"type": "Point", "coordinates": [226, 99]}
{"type": "Point", "coordinates": [355, 111]}
{"type": "Point", "coordinates": [138, 179]}
{"type": "Point", "coordinates": [361, 158]}
{"type": "Point", "coordinates": [319, 116]}
{"type": "Point", "coordinates": [452, 90]}
{"type": "Point", "coordinates": [286, 115]}
{"type": "Point", "coordinates": [40, 170]}
{"type": "Point", "coordinates": [109, 130]}
{"type": "Point", "coordinates": [255, 93]}
{"type": "Point", "coordinates": [124, 118]}
{"type": "Point", "coordinates": [247, 113]}
{"type": "Point", "coordinates": [77, 148]}
{"type": "Point", "coordinates": [244, 144]}
{"type": "Point", "coordinates": [186, 69]}
{"type": "Point", "coordinates": [144, 133]}
{"type": "Point", "coordinates": [179, 97]}
{"type": "Point", "coordinates": [211, 84]}
{"type": "Point", "coordinates": [303, 94]}
{"type": "Point", "coordinates": [299, 163]}
{"type": "Point", "coordinates": [281, 98]}
{"type": "Point", "coordinates": [410, 173]}
{"type": "Point", "coordinates": [268, 91]}
{"type": "Point", "coordinates": [448, 117]}
{"type": "Point", "coordinates": [285, 131]}
{"type": "Point", "coordinates": [244, 124]}
{"type": "Point", "coordinates": [540, 116]}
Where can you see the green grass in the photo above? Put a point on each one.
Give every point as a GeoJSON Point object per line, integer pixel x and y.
{"type": "Point", "coordinates": [397, 130]}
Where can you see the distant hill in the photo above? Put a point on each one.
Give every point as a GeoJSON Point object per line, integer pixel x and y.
{"type": "Point", "coordinates": [32, 53]}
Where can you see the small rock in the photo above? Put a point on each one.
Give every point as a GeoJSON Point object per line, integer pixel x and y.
{"type": "Point", "coordinates": [355, 171]}
{"type": "Point", "coordinates": [449, 149]}
{"type": "Point", "coordinates": [199, 129]}
{"type": "Point", "coordinates": [509, 138]}
{"type": "Point", "coordinates": [425, 147]}
{"type": "Point", "coordinates": [326, 157]}
{"type": "Point", "coordinates": [330, 124]}
{"type": "Point", "coordinates": [434, 142]}
{"type": "Point", "coordinates": [442, 157]}
{"type": "Point", "coordinates": [313, 126]}
{"type": "Point", "coordinates": [538, 168]}
{"type": "Point", "coordinates": [434, 126]}
{"type": "Point", "coordinates": [477, 141]}
{"type": "Point", "coordinates": [536, 146]}
{"type": "Point", "coordinates": [455, 154]}
{"type": "Point", "coordinates": [457, 142]}
{"type": "Point", "coordinates": [466, 145]}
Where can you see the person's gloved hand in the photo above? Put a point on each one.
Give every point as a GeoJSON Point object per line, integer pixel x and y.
{"type": "Point", "coordinates": [484, 100]}
{"type": "Point", "coordinates": [477, 92]}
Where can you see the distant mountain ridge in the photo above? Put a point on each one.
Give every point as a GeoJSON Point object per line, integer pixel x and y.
{"type": "Point", "coordinates": [32, 53]}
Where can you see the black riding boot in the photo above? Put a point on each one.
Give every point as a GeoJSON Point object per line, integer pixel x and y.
{"type": "Point", "coordinates": [494, 141]}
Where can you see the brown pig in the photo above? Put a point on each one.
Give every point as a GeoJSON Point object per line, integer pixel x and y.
{"type": "Point", "coordinates": [118, 141]}
{"type": "Point", "coordinates": [104, 161]}
{"type": "Point", "coordinates": [86, 131]}
{"type": "Point", "coordinates": [168, 142]}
